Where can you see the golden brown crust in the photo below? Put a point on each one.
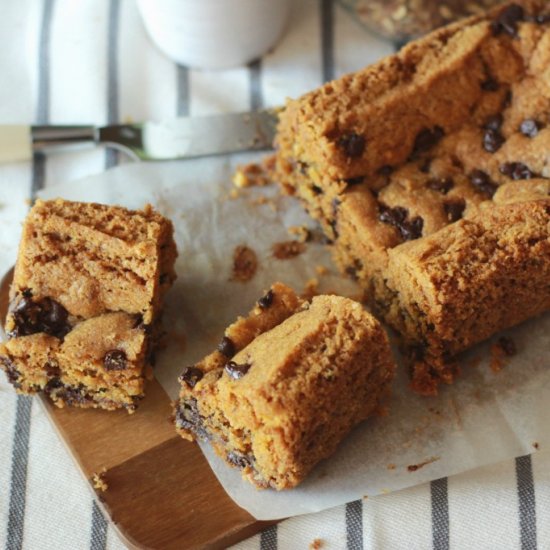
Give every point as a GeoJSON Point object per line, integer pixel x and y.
{"type": "Point", "coordinates": [285, 400]}
{"type": "Point", "coordinates": [449, 135]}
{"type": "Point", "coordinates": [86, 301]}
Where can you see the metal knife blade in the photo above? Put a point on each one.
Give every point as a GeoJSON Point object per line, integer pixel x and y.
{"type": "Point", "coordinates": [172, 139]}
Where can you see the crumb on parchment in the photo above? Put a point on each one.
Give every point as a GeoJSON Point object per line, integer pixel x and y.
{"type": "Point", "coordinates": [316, 544]}
{"type": "Point", "coordinates": [245, 264]}
{"type": "Point", "coordinates": [286, 250]}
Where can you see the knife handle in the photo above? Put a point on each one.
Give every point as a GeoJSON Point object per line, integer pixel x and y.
{"type": "Point", "coordinates": [18, 142]}
{"type": "Point", "coordinates": [15, 143]}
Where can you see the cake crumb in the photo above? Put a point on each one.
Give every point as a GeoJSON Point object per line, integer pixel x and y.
{"type": "Point", "coordinates": [536, 445]}
{"type": "Point", "coordinates": [98, 481]}
{"type": "Point", "coordinates": [255, 174]}
{"type": "Point", "coordinates": [234, 194]}
{"type": "Point", "coordinates": [245, 264]}
{"type": "Point", "coordinates": [315, 544]}
{"type": "Point", "coordinates": [321, 270]}
{"type": "Point", "coordinates": [415, 467]}
{"type": "Point", "coordinates": [287, 250]}
{"type": "Point", "coordinates": [503, 348]}
{"type": "Point", "coordinates": [301, 232]}
{"type": "Point", "coordinates": [391, 466]}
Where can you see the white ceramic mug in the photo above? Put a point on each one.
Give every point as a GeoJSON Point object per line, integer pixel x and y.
{"type": "Point", "coordinates": [214, 34]}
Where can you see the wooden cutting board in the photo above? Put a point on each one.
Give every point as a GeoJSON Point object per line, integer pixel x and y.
{"type": "Point", "coordinates": [161, 492]}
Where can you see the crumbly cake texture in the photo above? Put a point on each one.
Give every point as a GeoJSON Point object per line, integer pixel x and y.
{"type": "Point", "coordinates": [429, 172]}
{"type": "Point", "coordinates": [85, 302]}
{"type": "Point", "coordinates": [286, 384]}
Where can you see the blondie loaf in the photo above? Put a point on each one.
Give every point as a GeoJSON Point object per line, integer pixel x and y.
{"type": "Point", "coordinates": [429, 172]}
{"type": "Point", "coordinates": [286, 384]}
{"type": "Point", "coordinates": [86, 301]}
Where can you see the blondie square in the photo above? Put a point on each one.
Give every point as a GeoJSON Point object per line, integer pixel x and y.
{"type": "Point", "coordinates": [286, 385]}
{"type": "Point", "coordinates": [429, 172]}
{"type": "Point", "coordinates": [85, 302]}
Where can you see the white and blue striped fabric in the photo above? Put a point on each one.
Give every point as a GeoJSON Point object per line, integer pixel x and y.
{"type": "Point", "coordinates": [67, 61]}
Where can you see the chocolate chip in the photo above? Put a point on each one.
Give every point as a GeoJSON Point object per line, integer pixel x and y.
{"type": "Point", "coordinates": [507, 345]}
{"type": "Point", "coordinates": [352, 270]}
{"type": "Point", "coordinates": [45, 315]}
{"type": "Point", "coordinates": [443, 185]}
{"type": "Point", "coordinates": [316, 190]}
{"type": "Point", "coordinates": [454, 209]}
{"type": "Point", "coordinates": [490, 85]}
{"type": "Point", "coordinates": [189, 418]}
{"type": "Point", "coordinates": [507, 20]}
{"type": "Point", "coordinates": [52, 369]}
{"type": "Point", "coordinates": [542, 18]}
{"type": "Point", "coordinates": [115, 359]}
{"type": "Point", "coordinates": [425, 166]}
{"type": "Point", "coordinates": [516, 171]}
{"type": "Point", "coordinates": [191, 375]}
{"type": "Point", "coordinates": [352, 144]}
{"type": "Point", "coordinates": [426, 139]}
{"type": "Point", "coordinates": [238, 459]}
{"type": "Point", "coordinates": [53, 384]}
{"type": "Point", "coordinates": [482, 182]}
{"type": "Point", "coordinates": [398, 218]}
{"type": "Point", "coordinates": [226, 347]}
{"type": "Point", "coordinates": [494, 122]}
{"type": "Point", "coordinates": [10, 369]}
{"type": "Point", "coordinates": [529, 127]}
{"type": "Point", "coordinates": [385, 170]}
{"type": "Point", "coordinates": [265, 301]}
{"type": "Point", "coordinates": [236, 371]}
{"type": "Point", "coordinates": [492, 140]}
{"type": "Point", "coordinates": [355, 181]}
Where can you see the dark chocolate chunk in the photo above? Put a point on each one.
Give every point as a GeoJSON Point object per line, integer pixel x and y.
{"type": "Point", "coordinates": [316, 190]}
{"type": "Point", "coordinates": [52, 369]}
{"type": "Point", "coordinates": [240, 460]}
{"type": "Point", "coordinates": [352, 270]}
{"type": "Point", "coordinates": [355, 181]}
{"type": "Point", "coordinates": [454, 209]}
{"type": "Point", "coordinates": [189, 418]}
{"type": "Point", "coordinates": [265, 301]}
{"type": "Point", "coordinates": [191, 375]}
{"type": "Point", "coordinates": [425, 166]}
{"type": "Point", "coordinates": [443, 185]}
{"type": "Point", "coordinates": [385, 170]}
{"type": "Point", "coordinates": [10, 369]}
{"type": "Point", "coordinates": [490, 85]}
{"type": "Point", "coordinates": [236, 371]}
{"type": "Point", "coordinates": [226, 347]}
{"type": "Point", "coordinates": [507, 20]}
{"type": "Point", "coordinates": [492, 140]}
{"type": "Point", "coordinates": [493, 122]}
{"type": "Point", "coordinates": [53, 384]}
{"type": "Point", "coordinates": [516, 170]}
{"type": "Point", "coordinates": [542, 18]}
{"type": "Point", "coordinates": [530, 127]}
{"type": "Point", "coordinates": [352, 144]}
{"type": "Point", "coordinates": [482, 182]}
{"type": "Point", "coordinates": [45, 315]}
{"type": "Point", "coordinates": [115, 359]}
{"type": "Point", "coordinates": [426, 139]}
{"type": "Point", "coordinates": [398, 217]}
{"type": "Point", "coordinates": [507, 345]}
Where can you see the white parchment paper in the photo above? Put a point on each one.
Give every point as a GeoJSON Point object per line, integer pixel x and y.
{"type": "Point", "coordinates": [483, 418]}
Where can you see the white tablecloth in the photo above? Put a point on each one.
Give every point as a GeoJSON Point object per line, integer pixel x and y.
{"type": "Point", "coordinates": [67, 61]}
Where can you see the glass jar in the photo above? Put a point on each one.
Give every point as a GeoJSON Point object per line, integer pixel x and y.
{"type": "Point", "coordinates": [403, 20]}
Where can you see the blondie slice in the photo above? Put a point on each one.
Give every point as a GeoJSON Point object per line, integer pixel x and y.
{"type": "Point", "coordinates": [429, 171]}
{"type": "Point", "coordinates": [86, 301]}
{"type": "Point", "coordinates": [286, 385]}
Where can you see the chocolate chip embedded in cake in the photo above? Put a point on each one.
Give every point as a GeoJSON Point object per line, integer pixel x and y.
{"type": "Point", "coordinates": [452, 127]}
{"type": "Point", "coordinates": [86, 302]}
{"type": "Point", "coordinates": [303, 376]}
